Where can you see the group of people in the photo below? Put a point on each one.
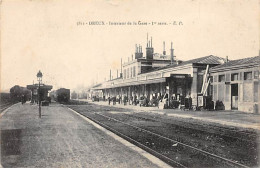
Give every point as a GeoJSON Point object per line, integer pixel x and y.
{"type": "Point", "coordinates": [118, 99]}
{"type": "Point", "coordinates": [174, 101]}
{"type": "Point", "coordinates": [134, 100]}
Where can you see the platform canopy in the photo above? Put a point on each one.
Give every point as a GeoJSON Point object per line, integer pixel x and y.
{"type": "Point", "coordinates": [159, 75]}
{"type": "Point", "coordinates": [42, 86]}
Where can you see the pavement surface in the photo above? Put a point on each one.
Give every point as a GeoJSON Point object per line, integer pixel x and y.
{"type": "Point", "coordinates": [225, 118]}
{"type": "Point", "coordinates": [61, 138]}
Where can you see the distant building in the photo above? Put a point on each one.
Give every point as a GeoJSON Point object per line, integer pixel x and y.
{"type": "Point", "coordinates": [236, 84]}
{"type": "Point", "coordinates": [44, 90]}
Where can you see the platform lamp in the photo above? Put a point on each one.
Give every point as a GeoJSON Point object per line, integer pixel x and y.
{"type": "Point", "coordinates": [39, 78]}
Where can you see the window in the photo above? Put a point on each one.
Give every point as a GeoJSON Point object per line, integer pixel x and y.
{"type": "Point", "coordinates": [221, 78]}
{"type": "Point", "coordinates": [134, 71]}
{"type": "Point", "coordinates": [248, 76]}
{"type": "Point", "coordinates": [215, 78]}
{"type": "Point", "coordinates": [200, 82]}
{"type": "Point", "coordinates": [124, 73]}
{"type": "Point", "coordinates": [234, 77]}
{"type": "Point", "coordinates": [241, 75]}
{"type": "Point", "coordinates": [127, 72]}
{"type": "Point", "coordinates": [256, 74]}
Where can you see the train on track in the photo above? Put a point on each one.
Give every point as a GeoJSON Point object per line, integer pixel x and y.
{"type": "Point", "coordinates": [61, 95]}
{"type": "Point", "coordinates": [16, 94]}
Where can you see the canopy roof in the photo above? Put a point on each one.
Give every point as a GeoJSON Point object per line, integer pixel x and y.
{"type": "Point", "coordinates": [237, 64]}
{"type": "Point", "coordinates": [36, 86]}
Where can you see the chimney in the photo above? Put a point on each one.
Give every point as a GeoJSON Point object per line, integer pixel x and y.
{"type": "Point", "coordinates": [117, 73]}
{"type": "Point", "coordinates": [121, 65]}
{"type": "Point", "coordinates": [226, 59]}
{"type": "Point", "coordinates": [164, 52]}
{"type": "Point", "coordinates": [147, 40]}
{"type": "Point", "coordinates": [138, 53]}
{"type": "Point", "coordinates": [172, 55]}
{"type": "Point", "coordinates": [149, 49]}
{"type": "Point", "coordinates": [121, 73]}
{"type": "Point", "coordinates": [110, 74]}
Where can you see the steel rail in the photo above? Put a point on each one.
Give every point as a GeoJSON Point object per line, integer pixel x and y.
{"type": "Point", "coordinates": [246, 133]}
{"type": "Point", "coordinates": [157, 154]}
{"type": "Point", "coordinates": [5, 106]}
{"type": "Point", "coordinates": [186, 145]}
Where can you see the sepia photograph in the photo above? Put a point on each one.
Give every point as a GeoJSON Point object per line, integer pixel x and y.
{"type": "Point", "coordinates": [129, 84]}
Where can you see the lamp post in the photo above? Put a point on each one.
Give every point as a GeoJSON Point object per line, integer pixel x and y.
{"type": "Point", "coordinates": [39, 78]}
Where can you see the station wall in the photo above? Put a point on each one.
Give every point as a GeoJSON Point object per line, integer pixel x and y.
{"type": "Point", "coordinates": [237, 89]}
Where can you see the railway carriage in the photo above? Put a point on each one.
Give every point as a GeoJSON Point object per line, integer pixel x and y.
{"type": "Point", "coordinates": [63, 95]}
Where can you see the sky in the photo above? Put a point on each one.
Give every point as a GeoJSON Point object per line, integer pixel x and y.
{"type": "Point", "coordinates": [45, 35]}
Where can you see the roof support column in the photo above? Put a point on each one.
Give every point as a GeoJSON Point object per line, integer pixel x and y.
{"type": "Point", "coordinates": [129, 94]}
{"type": "Point", "coordinates": [121, 102]}
{"type": "Point", "coordinates": [194, 87]}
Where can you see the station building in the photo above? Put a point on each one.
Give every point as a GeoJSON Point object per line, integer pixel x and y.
{"type": "Point", "coordinates": [236, 84]}
{"type": "Point", "coordinates": [44, 90]}
{"type": "Point", "coordinates": [155, 75]}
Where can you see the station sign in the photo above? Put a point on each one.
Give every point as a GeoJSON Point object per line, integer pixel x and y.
{"type": "Point", "coordinates": [178, 76]}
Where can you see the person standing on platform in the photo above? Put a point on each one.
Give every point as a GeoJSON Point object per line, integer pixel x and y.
{"type": "Point", "coordinates": [124, 100]}
{"type": "Point", "coordinates": [114, 100]}
{"type": "Point", "coordinates": [135, 98]}
{"type": "Point", "coordinates": [119, 99]}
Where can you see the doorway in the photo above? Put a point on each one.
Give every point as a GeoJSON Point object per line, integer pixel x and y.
{"type": "Point", "coordinates": [234, 96]}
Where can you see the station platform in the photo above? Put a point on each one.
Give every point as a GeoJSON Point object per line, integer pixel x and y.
{"type": "Point", "coordinates": [61, 138]}
{"type": "Point", "coordinates": [223, 117]}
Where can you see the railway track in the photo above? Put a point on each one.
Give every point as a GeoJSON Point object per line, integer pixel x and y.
{"type": "Point", "coordinates": [173, 152]}
{"type": "Point", "coordinates": [230, 132]}
{"type": "Point", "coordinates": [5, 106]}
